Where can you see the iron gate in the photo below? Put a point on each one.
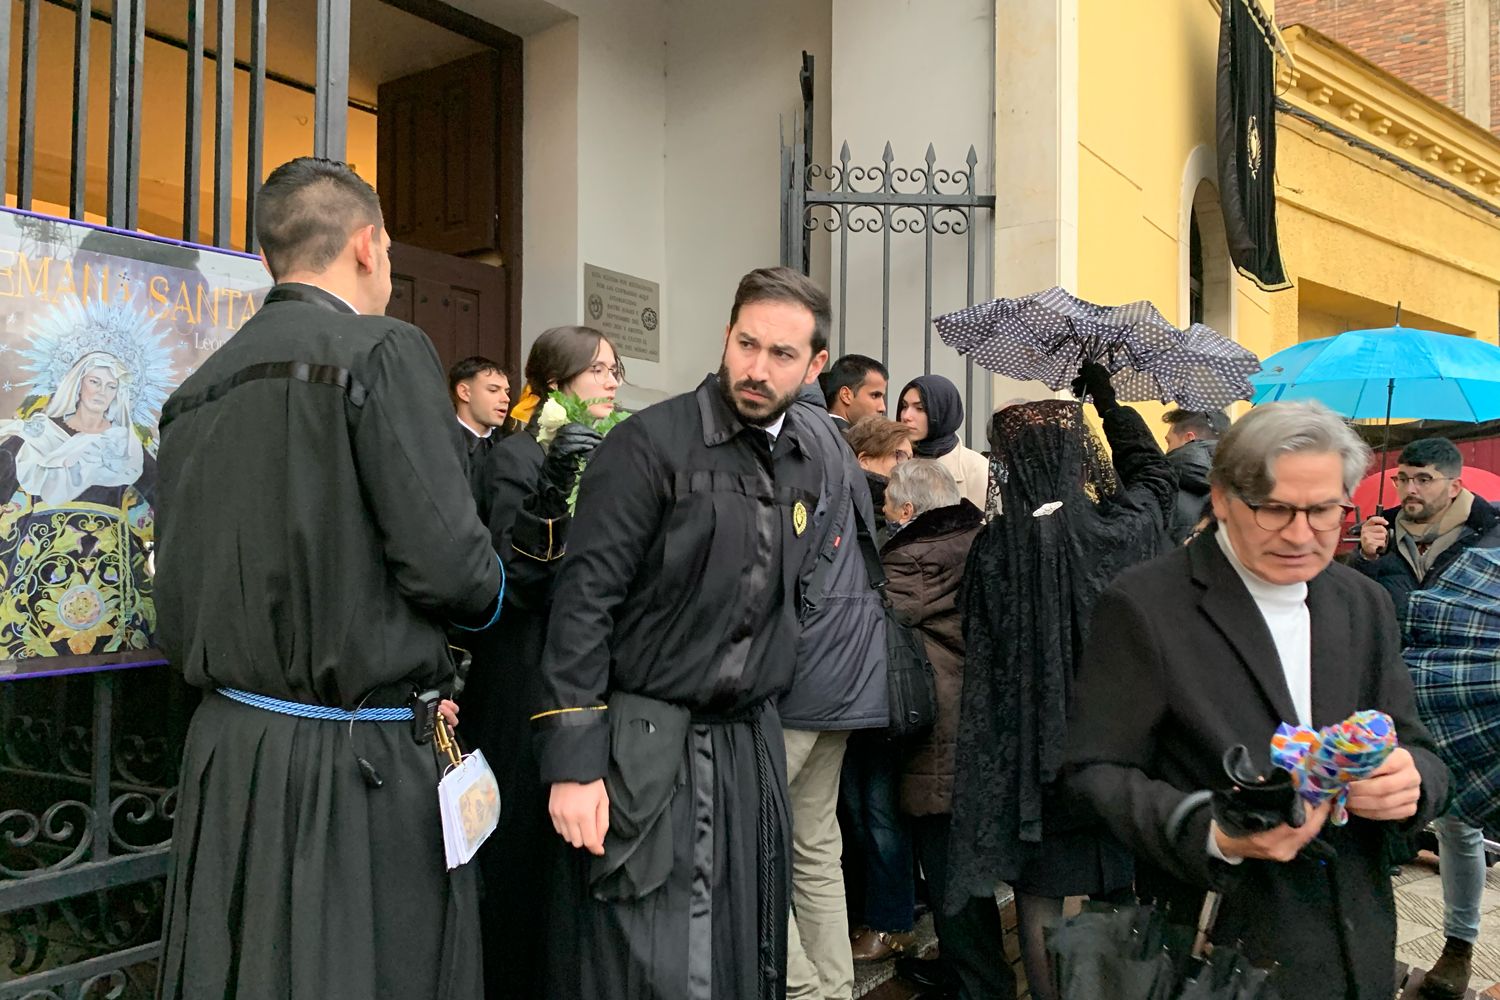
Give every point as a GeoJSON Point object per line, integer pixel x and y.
{"type": "Point", "coordinates": [885, 201]}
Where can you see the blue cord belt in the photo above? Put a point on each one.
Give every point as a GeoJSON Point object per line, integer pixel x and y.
{"type": "Point", "coordinates": [304, 711]}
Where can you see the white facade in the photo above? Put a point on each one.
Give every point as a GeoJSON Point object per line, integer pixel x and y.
{"type": "Point", "coordinates": [651, 147]}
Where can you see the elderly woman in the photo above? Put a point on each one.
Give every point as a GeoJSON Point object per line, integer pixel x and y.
{"type": "Point", "coordinates": [924, 564]}
{"type": "Point", "coordinates": [880, 445]}
{"type": "Point", "coordinates": [1216, 644]}
{"type": "Point", "coordinates": [878, 855]}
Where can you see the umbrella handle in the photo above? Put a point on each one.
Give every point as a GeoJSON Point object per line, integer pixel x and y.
{"type": "Point", "coordinates": [1385, 450]}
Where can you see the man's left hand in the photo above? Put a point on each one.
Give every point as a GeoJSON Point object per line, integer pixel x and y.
{"type": "Point", "coordinates": [449, 710]}
{"type": "Point", "coordinates": [1391, 793]}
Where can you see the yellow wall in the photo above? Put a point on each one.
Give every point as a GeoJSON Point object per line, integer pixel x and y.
{"type": "Point", "coordinates": [1357, 235]}
{"type": "Point", "coordinates": [1364, 228]}
{"type": "Point", "coordinates": [1145, 103]}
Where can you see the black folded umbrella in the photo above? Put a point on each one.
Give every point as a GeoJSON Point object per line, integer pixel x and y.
{"type": "Point", "coordinates": [1133, 953]}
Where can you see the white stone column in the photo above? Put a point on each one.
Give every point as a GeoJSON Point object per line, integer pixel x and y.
{"type": "Point", "coordinates": [1477, 62]}
{"type": "Point", "coordinates": [1036, 151]}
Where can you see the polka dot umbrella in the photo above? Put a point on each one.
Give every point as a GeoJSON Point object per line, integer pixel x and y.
{"type": "Point", "coordinates": [1048, 335]}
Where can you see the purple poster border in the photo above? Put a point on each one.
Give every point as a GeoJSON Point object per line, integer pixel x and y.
{"type": "Point", "coordinates": [148, 238]}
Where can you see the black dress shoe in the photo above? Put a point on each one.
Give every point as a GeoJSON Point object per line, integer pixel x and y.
{"type": "Point", "coordinates": [928, 973]}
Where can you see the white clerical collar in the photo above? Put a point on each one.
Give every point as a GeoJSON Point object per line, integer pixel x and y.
{"type": "Point", "coordinates": [326, 291]}
{"type": "Point", "coordinates": [487, 431]}
{"type": "Point", "coordinates": [1260, 588]}
{"type": "Point", "coordinates": [344, 301]}
{"type": "Point", "coordinates": [773, 429]}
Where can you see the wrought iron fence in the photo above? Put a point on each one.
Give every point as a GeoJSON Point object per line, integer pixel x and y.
{"type": "Point", "coordinates": [89, 768]}
{"type": "Point", "coordinates": [884, 201]}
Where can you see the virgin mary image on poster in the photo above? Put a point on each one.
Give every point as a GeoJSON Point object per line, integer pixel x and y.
{"type": "Point", "coordinates": [77, 472]}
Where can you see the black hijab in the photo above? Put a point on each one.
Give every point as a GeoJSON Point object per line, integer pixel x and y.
{"type": "Point", "coordinates": [945, 414]}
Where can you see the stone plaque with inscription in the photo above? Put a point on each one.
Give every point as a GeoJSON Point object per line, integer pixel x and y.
{"type": "Point", "coordinates": [626, 308]}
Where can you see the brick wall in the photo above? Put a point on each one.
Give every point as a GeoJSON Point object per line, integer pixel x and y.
{"type": "Point", "coordinates": [1419, 41]}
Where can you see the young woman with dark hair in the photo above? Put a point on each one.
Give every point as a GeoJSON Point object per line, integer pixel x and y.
{"type": "Point", "coordinates": [528, 490]}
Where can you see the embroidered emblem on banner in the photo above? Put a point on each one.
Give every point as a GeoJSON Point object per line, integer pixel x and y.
{"type": "Point", "coordinates": [799, 517]}
{"type": "Point", "coordinates": [1252, 147]}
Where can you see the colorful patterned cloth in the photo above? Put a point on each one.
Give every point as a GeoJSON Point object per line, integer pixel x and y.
{"type": "Point", "coordinates": [1453, 650]}
{"type": "Point", "coordinates": [1323, 762]}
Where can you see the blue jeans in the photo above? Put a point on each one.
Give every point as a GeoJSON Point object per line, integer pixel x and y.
{"type": "Point", "coordinates": [869, 791]}
{"type": "Point", "coordinates": [1461, 865]}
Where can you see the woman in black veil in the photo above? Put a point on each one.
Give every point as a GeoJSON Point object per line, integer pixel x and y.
{"type": "Point", "coordinates": [1070, 522]}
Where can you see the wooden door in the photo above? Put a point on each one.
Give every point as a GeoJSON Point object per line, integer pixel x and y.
{"type": "Point", "coordinates": [460, 304]}
{"type": "Point", "coordinates": [437, 142]}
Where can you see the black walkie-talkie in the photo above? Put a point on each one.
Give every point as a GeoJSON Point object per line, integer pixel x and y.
{"type": "Point", "coordinates": [424, 714]}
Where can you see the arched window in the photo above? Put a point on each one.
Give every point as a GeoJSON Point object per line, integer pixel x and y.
{"type": "Point", "coordinates": [1195, 271]}
{"type": "Point", "coordinates": [1207, 274]}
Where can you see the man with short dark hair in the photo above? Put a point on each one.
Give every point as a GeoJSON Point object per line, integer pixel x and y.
{"type": "Point", "coordinates": [480, 391]}
{"type": "Point", "coordinates": [1191, 439]}
{"type": "Point", "coordinates": [1436, 522]}
{"type": "Point", "coordinates": [314, 543]}
{"type": "Point", "coordinates": [673, 629]}
{"type": "Point", "coordinates": [854, 387]}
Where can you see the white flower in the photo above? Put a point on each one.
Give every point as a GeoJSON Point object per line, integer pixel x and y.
{"type": "Point", "coordinates": [552, 419]}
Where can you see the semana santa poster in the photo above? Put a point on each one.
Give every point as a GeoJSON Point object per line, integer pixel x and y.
{"type": "Point", "coordinates": [97, 327]}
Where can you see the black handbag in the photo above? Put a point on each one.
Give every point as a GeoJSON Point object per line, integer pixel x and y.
{"type": "Point", "coordinates": [910, 684]}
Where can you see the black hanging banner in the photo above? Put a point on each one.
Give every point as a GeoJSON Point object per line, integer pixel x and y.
{"type": "Point", "coordinates": [1246, 119]}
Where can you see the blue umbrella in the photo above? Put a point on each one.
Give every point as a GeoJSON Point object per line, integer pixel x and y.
{"type": "Point", "coordinates": [1392, 372]}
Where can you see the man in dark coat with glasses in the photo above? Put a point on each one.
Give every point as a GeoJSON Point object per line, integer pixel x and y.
{"type": "Point", "coordinates": [1216, 644]}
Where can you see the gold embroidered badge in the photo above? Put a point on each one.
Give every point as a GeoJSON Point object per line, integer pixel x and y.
{"type": "Point", "coordinates": [799, 518]}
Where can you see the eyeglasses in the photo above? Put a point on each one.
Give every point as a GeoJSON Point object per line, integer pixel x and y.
{"type": "Point", "coordinates": [1320, 517]}
{"type": "Point", "coordinates": [1421, 481]}
{"type": "Point", "coordinates": [599, 369]}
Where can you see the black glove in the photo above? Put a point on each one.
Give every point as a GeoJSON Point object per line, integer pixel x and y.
{"type": "Point", "coordinates": [1253, 802]}
{"type": "Point", "coordinates": [570, 449]}
{"type": "Point", "coordinates": [1093, 379]}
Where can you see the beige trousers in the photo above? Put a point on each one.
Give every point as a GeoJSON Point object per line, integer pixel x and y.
{"type": "Point", "coordinates": [820, 965]}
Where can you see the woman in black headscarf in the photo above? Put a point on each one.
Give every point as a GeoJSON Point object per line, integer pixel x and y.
{"type": "Point", "coordinates": [932, 407]}
{"type": "Point", "coordinates": [1071, 522]}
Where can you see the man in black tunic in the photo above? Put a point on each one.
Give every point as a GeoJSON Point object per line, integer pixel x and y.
{"type": "Point", "coordinates": [673, 629]}
{"type": "Point", "coordinates": [480, 390]}
{"type": "Point", "coordinates": [315, 540]}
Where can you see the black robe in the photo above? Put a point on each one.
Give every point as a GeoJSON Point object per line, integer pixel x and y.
{"type": "Point", "coordinates": [315, 541]}
{"type": "Point", "coordinates": [476, 455]}
{"type": "Point", "coordinates": [503, 688]}
{"type": "Point", "coordinates": [680, 585]}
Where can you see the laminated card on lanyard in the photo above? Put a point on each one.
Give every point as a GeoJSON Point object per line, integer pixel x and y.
{"type": "Point", "coordinates": [468, 799]}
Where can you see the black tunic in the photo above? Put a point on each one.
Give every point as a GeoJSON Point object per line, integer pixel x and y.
{"type": "Point", "coordinates": [503, 686]}
{"type": "Point", "coordinates": [680, 585]}
{"type": "Point", "coordinates": [315, 540]}
{"type": "Point", "coordinates": [476, 455]}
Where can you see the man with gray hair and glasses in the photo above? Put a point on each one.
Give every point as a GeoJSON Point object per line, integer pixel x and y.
{"type": "Point", "coordinates": [1214, 645]}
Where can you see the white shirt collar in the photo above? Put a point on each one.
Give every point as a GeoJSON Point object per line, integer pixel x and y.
{"type": "Point", "coordinates": [487, 431]}
{"type": "Point", "coordinates": [344, 301]}
{"type": "Point", "coordinates": [327, 292]}
{"type": "Point", "coordinates": [774, 428]}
